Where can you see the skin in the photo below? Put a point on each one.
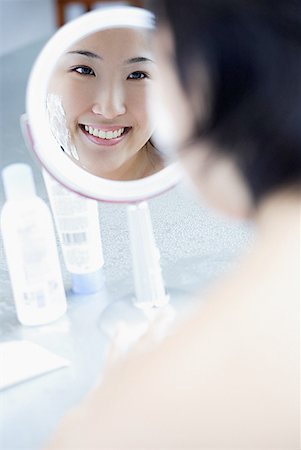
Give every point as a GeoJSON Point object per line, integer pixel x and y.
{"type": "Point", "coordinates": [105, 81]}
{"type": "Point", "coordinates": [229, 376]}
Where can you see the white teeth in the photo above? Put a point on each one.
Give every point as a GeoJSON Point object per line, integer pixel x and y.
{"type": "Point", "coordinates": [104, 134]}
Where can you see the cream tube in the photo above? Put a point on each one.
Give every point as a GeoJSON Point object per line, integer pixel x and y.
{"type": "Point", "coordinates": [77, 224]}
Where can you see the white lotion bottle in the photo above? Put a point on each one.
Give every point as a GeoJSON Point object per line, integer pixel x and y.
{"type": "Point", "coordinates": [77, 224]}
{"type": "Point", "coordinates": [31, 251]}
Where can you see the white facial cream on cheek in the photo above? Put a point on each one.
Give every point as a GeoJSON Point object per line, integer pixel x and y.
{"type": "Point", "coordinates": [58, 124]}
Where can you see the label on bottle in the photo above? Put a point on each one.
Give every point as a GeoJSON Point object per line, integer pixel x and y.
{"type": "Point", "coordinates": [38, 272]}
{"type": "Point", "coordinates": [33, 263]}
{"type": "Point", "coordinates": [77, 224]}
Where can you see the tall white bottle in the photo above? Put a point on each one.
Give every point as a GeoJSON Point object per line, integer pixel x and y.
{"type": "Point", "coordinates": [31, 251]}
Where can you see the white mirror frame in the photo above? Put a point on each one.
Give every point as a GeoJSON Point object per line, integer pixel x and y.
{"type": "Point", "coordinates": [45, 146]}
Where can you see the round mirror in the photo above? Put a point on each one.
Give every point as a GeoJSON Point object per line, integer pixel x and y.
{"type": "Point", "coordinates": [90, 99]}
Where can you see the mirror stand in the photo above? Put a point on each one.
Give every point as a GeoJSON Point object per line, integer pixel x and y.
{"type": "Point", "coordinates": [148, 280]}
{"type": "Point", "coordinates": [126, 320]}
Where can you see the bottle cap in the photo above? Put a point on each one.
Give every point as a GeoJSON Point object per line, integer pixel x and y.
{"type": "Point", "coordinates": [87, 283]}
{"type": "Point", "coordinates": [18, 181]}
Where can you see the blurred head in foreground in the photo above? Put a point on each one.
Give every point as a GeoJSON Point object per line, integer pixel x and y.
{"type": "Point", "coordinates": [231, 79]}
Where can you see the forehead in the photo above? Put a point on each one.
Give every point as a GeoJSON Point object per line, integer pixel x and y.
{"type": "Point", "coordinates": [117, 41]}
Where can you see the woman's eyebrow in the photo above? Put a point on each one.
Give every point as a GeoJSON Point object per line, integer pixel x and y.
{"type": "Point", "coordinates": [85, 53]}
{"type": "Point", "coordinates": [138, 59]}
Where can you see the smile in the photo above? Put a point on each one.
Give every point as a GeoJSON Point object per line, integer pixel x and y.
{"type": "Point", "coordinates": [104, 134]}
{"type": "Point", "coordinates": [109, 136]}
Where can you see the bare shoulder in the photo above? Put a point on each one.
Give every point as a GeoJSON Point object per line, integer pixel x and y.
{"type": "Point", "coordinates": [226, 378]}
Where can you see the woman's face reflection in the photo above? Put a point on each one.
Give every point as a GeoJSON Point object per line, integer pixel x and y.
{"type": "Point", "coordinates": [104, 84]}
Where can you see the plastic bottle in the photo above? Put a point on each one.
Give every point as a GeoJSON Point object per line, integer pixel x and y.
{"type": "Point", "coordinates": [77, 224]}
{"type": "Point", "coordinates": [31, 251]}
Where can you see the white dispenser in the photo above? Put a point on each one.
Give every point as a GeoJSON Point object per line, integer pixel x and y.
{"type": "Point", "coordinates": [31, 251]}
{"type": "Point", "coordinates": [77, 224]}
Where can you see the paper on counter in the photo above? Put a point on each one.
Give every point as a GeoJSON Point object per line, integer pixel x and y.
{"type": "Point", "coordinates": [23, 360]}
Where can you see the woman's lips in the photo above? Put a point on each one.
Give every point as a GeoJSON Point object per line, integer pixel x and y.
{"type": "Point", "coordinates": [104, 141]}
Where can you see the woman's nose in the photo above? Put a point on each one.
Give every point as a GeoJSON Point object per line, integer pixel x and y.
{"type": "Point", "coordinates": [109, 103]}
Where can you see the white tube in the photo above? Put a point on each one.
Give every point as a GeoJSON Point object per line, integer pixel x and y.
{"type": "Point", "coordinates": [31, 251]}
{"type": "Point", "coordinates": [149, 285]}
{"type": "Point", "coordinates": [77, 224]}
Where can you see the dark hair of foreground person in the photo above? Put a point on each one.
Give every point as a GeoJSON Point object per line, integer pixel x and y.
{"type": "Point", "coordinates": [251, 52]}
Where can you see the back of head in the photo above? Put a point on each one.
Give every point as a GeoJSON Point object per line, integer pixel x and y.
{"type": "Point", "coordinates": [251, 53]}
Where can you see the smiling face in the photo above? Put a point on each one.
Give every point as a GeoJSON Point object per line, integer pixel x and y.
{"type": "Point", "coordinates": [104, 83]}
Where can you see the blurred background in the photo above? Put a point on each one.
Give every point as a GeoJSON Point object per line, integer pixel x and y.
{"type": "Point", "coordinates": [25, 21]}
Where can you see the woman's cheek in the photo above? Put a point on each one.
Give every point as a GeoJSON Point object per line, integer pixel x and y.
{"type": "Point", "coordinates": [137, 106]}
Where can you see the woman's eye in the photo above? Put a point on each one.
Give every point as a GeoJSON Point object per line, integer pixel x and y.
{"type": "Point", "coordinates": [83, 70]}
{"type": "Point", "coordinates": [137, 76]}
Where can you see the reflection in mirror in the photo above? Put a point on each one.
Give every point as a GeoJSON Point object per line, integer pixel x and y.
{"type": "Point", "coordinates": [98, 104]}
{"type": "Point", "coordinates": [76, 96]}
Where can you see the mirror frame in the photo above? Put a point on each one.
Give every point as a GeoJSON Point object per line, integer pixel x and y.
{"type": "Point", "coordinates": [44, 144]}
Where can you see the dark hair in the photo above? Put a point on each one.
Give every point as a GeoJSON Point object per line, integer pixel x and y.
{"type": "Point", "coordinates": [251, 52]}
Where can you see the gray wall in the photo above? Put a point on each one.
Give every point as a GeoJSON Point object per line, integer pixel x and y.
{"type": "Point", "coordinates": [23, 22]}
